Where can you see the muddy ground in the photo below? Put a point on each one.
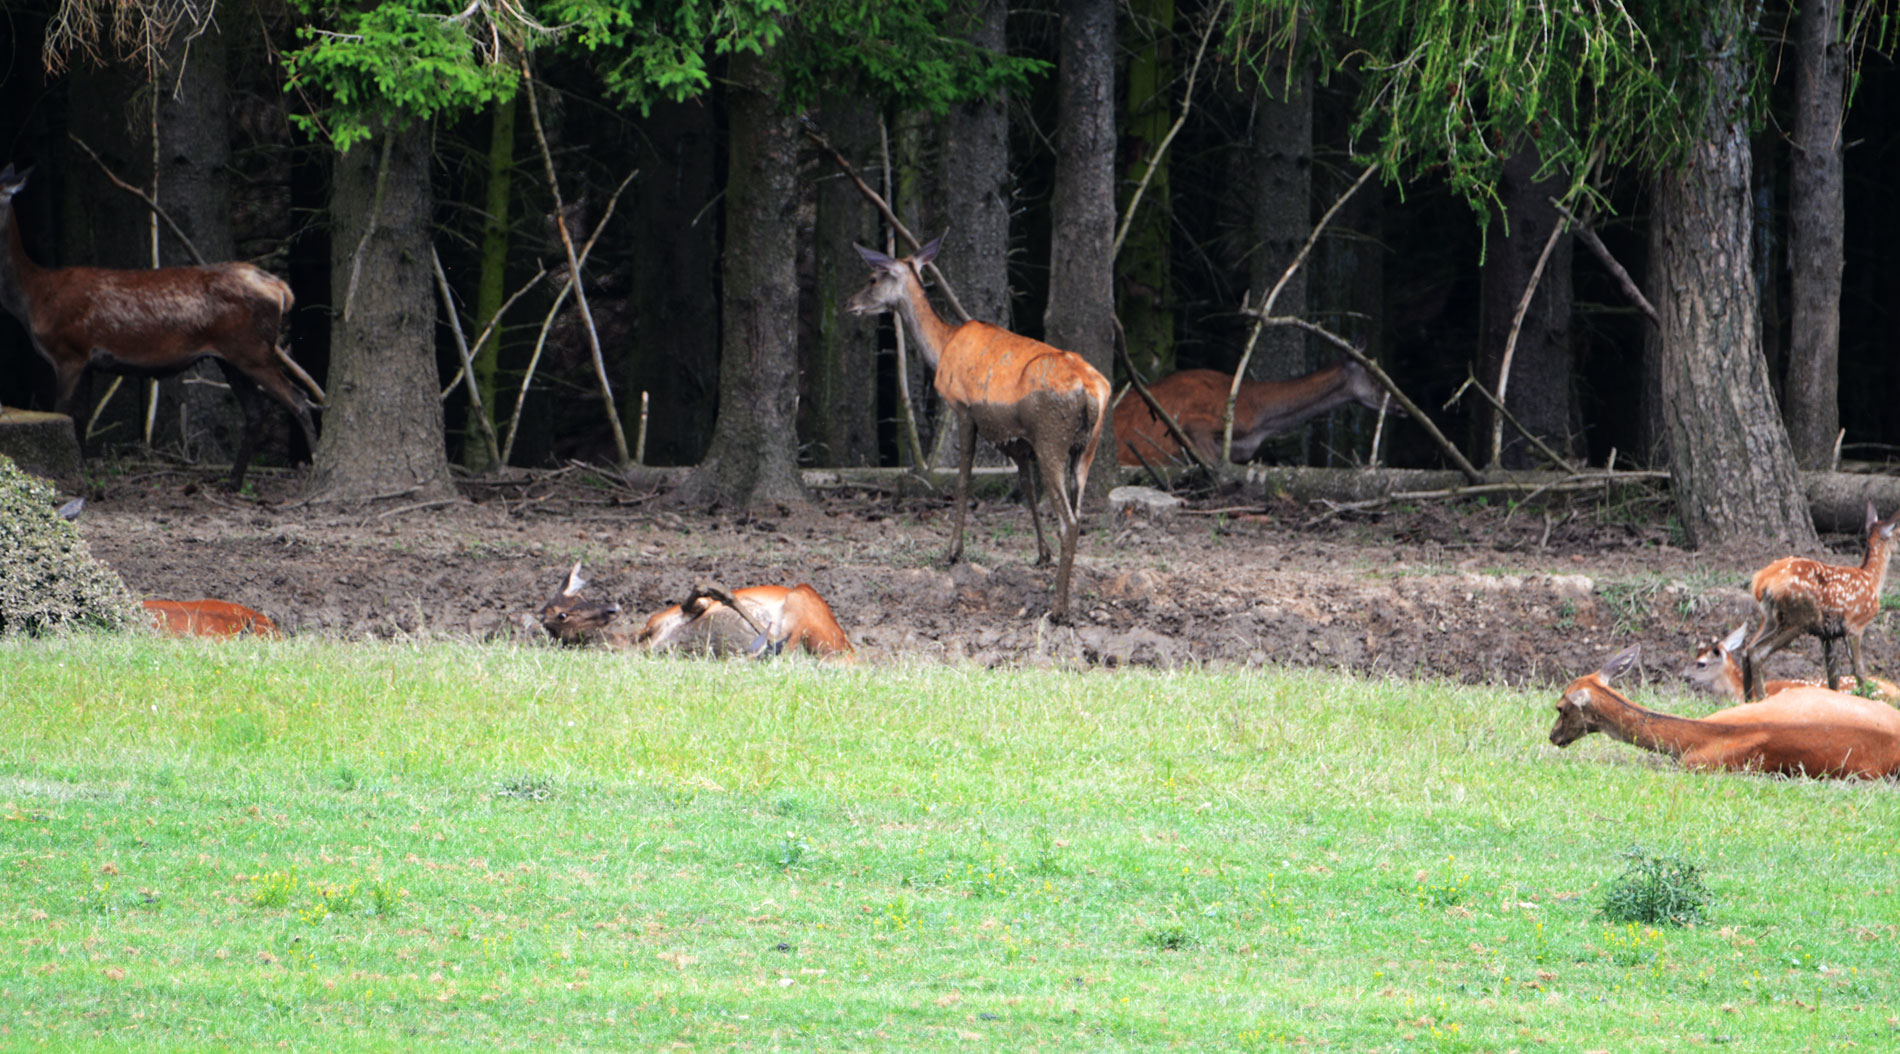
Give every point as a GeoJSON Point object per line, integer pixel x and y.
{"type": "Point", "coordinates": [1465, 592]}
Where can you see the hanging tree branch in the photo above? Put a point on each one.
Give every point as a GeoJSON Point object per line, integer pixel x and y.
{"type": "Point", "coordinates": [1623, 279]}
{"type": "Point", "coordinates": [1154, 160]}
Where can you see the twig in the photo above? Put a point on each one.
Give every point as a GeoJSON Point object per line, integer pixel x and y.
{"type": "Point", "coordinates": [1266, 308]}
{"type": "Point", "coordinates": [908, 412]}
{"type": "Point", "coordinates": [1575, 482]}
{"type": "Point", "coordinates": [574, 268]}
{"type": "Point", "coordinates": [1471, 381]}
{"type": "Point", "coordinates": [283, 356]}
{"type": "Point", "coordinates": [1154, 159]}
{"type": "Point", "coordinates": [1623, 279]}
{"type": "Point", "coordinates": [400, 509]}
{"type": "Point", "coordinates": [468, 360]}
{"type": "Point", "coordinates": [490, 328]}
{"type": "Point", "coordinates": [143, 196]}
{"type": "Point", "coordinates": [1510, 343]}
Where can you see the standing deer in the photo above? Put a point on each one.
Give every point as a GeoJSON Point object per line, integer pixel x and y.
{"type": "Point", "coordinates": [152, 323]}
{"type": "Point", "coordinates": [1801, 731]}
{"type": "Point", "coordinates": [1036, 403]}
{"type": "Point", "coordinates": [1799, 596]}
{"type": "Point", "coordinates": [1716, 671]}
{"type": "Point", "coordinates": [1197, 400]}
{"type": "Point", "coordinates": [758, 621]}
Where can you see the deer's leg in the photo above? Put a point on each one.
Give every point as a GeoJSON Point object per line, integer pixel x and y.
{"type": "Point", "coordinates": [1054, 463]}
{"type": "Point", "coordinates": [1759, 650]}
{"type": "Point", "coordinates": [1827, 663]}
{"type": "Point", "coordinates": [251, 401]}
{"type": "Point", "coordinates": [1853, 648]}
{"type": "Point", "coordinates": [966, 456]}
{"type": "Point", "coordinates": [272, 381]}
{"type": "Point", "coordinates": [1032, 497]}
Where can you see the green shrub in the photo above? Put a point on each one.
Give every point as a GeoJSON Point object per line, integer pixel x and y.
{"type": "Point", "coordinates": [1657, 891]}
{"type": "Point", "coordinates": [49, 579]}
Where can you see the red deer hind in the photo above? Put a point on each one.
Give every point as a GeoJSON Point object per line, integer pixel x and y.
{"type": "Point", "coordinates": [1197, 400]}
{"type": "Point", "coordinates": [208, 618]}
{"type": "Point", "coordinates": [757, 620]}
{"type": "Point", "coordinates": [152, 323]}
{"type": "Point", "coordinates": [1801, 731]}
{"type": "Point", "coordinates": [1716, 671]}
{"type": "Point", "coordinates": [1798, 596]}
{"type": "Point", "coordinates": [1036, 403]}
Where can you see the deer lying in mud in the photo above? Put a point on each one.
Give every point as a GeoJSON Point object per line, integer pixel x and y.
{"type": "Point", "coordinates": [1800, 731]}
{"type": "Point", "coordinates": [1197, 400]}
{"type": "Point", "coordinates": [1798, 596]}
{"type": "Point", "coordinates": [208, 618]}
{"type": "Point", "coordinates": [154, 323]}
{"type": "Point", "coordinates": [1716, 671]}
{"type": "Point", "coordinates": [1040, 405]}
{"type": "Point", "coordinates": [757, 620]}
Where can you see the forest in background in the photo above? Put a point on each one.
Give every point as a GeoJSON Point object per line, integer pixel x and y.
{"type": "Point", "coordinates": [734, 227]}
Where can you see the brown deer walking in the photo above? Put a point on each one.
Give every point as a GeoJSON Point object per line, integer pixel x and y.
{"type": "Point", "coordinates": [1798, 596]}
{"type": "Point", "coordinates": [757, 620]}
{"type": "Point", "coordinates": [1038, 404]}
{"type": "Point", "coordinates": [1801, 731]}
{"type": "Point", "coordinates": [1716, 671]}
{"type": "Point", "coordinates": [152, 323]}
{"type": "Point", "coordinates": [1197, 400]}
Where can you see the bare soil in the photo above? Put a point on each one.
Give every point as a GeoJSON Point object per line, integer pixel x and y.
{"type": "Point", "coordinates": [1469, 593]}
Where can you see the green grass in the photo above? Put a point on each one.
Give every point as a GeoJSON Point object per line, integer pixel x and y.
{"type": "Point", "coordinates": [328, 847]}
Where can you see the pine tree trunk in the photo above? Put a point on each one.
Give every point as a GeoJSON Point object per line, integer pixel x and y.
{"type": "Point", "coordinates": [752, 462]}
{"type": "Point", "coordinates": [1730, 462]}
{"type": "Point", "coordinates": [382, 433]}
{"type": "Point", "coordinates": [1282, 196]}
{"type": "Point", "coordinates": [674, 316]}
{"type": "Point", "coordinates": [492, 288]}
{"type": "Point", "coordinates": [1082, 210]}
{"type": "Point", "coordinates": [1815, 246]}
{"type": "Point", "coordinates": [1538, 392]}
{"type": "Point", "coordinates": [839, 411]}
{"type": "Point", "coordinates": [1144, 277]}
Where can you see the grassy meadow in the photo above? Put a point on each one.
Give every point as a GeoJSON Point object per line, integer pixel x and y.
{"type": "Point", "coordinates": [327, 846]}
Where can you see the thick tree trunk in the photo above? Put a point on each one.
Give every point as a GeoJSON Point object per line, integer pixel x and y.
{"type": "Point", "coordinates": [196, 409]}
{"type": "Point", "coordinates": [1144, 277]}
{"type": "Point", "coordinates": [674, 313]}
{"type": "Point", "coordinates": [1281, 194]}
{"type": "Point", "coordinates": [1538, 393]}
{"type": "Point", "coordinates": [1732, 468]}
{"type": "Point", "coordinates": [1081, 304]}
{"type": "Point", "coordinates": [752, 462]}
{"type": "Point", "coordinates": [382, 433]}
{"type": "Point", "coordinates": [838, 414]}
{"type": "Point", "coordinates": [1815, 247]}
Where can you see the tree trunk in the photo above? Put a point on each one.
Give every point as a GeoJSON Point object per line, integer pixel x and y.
{"type": "Point", "coordinates": [1538, 392]}
{"type": "Point", "coordinates": [383, 433]}
{"type": "Point", "coordinates": [1282, 193]}
{"type": "Point", "coordinates": [753, 461]}
{"type": "Point", "coordinates": [1730, 462]}
{"type": "Point", "coordinates": [196, 409]}
{"type": "Point", "coordinates": [1082, 207]}
{"type": "Point", "coordinates": [492, 289]}
{"type": "Point", "coordinates": [838, 414]}
{"type": "Point", "coordinates": [1143, 275]}
{"type": "Point", "coordinates": [1815, 245]}
{"type": "Point", "coordinates": [674, 313]}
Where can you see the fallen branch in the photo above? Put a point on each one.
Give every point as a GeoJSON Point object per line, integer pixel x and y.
{"type": "Point", "coordinates": [1574, 482]}
{"type": "Point", "coordinates": [476, 408]}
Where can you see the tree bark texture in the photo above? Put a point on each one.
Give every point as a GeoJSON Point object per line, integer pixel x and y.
{"type": "Point", "coordinates": [838, 412]}
{"type": "Point", "coordinates": [752, 462]}
{"type": "Point", "coordinates": [383, 431]}
{"type": "Point", "coordinates": [1815, 241]}
{"type": "Point", "coordinates": [1082, 208]}
{"type": "Point", "coordinates": [1732, 468]}
{"type": "Point", "coordinates": [194, 186]}
{"type": "Point", "coordinates": [1539, 391]}
{"type": "Point", "coordinates": [675, 298]}
{"type": "Point", "coordinates": [1143, 272]}
{"type": "Point", "coordinates": [1282, 195]}
{"type": "Point", "coordinates": [491, 289]}
{"type": "Point", "coordinates": [977, 189]}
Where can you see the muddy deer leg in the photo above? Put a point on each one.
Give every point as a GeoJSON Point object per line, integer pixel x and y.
{"type": "Point", "coordinates": [1827, 663]}
{"type": "Point", "coordinates": [250, 400]}
{"type": "Point", "coordinates": [1758, 653]}
{"type": "Point", "coordinates": [966, 456]}
{"type": "Point", "coordinates": [1054, 465]}
{"type": "Point", "coordinates": [1032, 497]}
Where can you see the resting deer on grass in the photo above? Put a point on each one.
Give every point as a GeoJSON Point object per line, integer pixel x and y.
{"type": "Point", "coordinates": [1799, 596]}
{"type": "Point", "coordinates": [1717, 672]}
{"type": "Point", "coordinates": [1197, 400]}
{"type": "Point", "coordinates": [208, 618]}
{"type": "Point", "coordinates": [1038, 404]}
{"type": "Point", "coordinates": [1801, 731]}
{"type": "Point", "coordinates": [757, 621]}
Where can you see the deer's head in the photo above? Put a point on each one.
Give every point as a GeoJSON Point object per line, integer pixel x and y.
{"type": "Point", "coordinates": [11, 181]}
{"type": "Point", "coordinates": [568, 617]}
{"type": "Point", "coordinates": [1366, 391]}
{"type": "Point", "coordinates": [1713, 661]}
{"type": "Point", "coordinates": [1578, 711]}
{"type": "Point", "coordinates": [890, 278]}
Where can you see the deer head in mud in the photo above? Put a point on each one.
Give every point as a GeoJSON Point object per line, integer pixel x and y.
{"type": "Point", "coordinates": [570, 618]}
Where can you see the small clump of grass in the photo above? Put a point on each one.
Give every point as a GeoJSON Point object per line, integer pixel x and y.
{"type": "Point", "coordinates": [1657, 890]}
{"type": "Point", "coordinates": [527, 788]}
{"type": "Point", "coordinates": [273, 890]}
{"type": "Point", "coordinates": [1170, 937]}
{"type": "Point", "coordinates": [385, 897]}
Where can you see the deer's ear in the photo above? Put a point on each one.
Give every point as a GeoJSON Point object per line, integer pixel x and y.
{"type": "Point", "coordinates": [575, 583]}
{"type": "Point", "coordinates": [877, 261]}
{"type": "Point", "coordinates": [1872, 517]}
{"type": "Point", "coordinates": [1733, 641]}
{"type": "Point", "coordinates": [1620, 663]}
{"type": "Point", "coordinates": [929, 252]}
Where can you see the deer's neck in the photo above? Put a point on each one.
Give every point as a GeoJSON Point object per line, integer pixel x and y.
{"type": "Point", "coordinates": [17, 270]}
{"type": "Point", "coordinates": [1277, 406]}
{"type": "Point", "coordinates": [1661, 733]}
{"type": "Point", "coordinates": [932, 332]}
{"type": "Point", "coordinates": [1879, 548]}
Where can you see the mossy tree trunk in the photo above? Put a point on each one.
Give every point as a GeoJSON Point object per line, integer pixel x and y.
{"type": "Point", "coordinates": [1144, 278]}
{"type": "Point", "coordinates": [492, 287]}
